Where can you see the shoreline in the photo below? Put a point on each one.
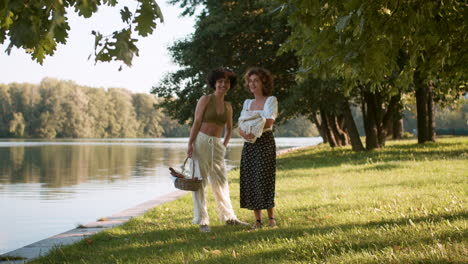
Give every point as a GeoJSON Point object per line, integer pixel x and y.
{"type": "Point", "coordinates": [42, 247]}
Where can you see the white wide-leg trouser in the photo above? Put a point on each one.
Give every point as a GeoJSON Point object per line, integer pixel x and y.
{"type": "Point", "coordinates": [208, 156]}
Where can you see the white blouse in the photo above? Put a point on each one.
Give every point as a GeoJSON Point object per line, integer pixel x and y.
{"type": "Point", "coordinates": [252, 122]}
{"type": "Point", "coordinates": [269, 111]}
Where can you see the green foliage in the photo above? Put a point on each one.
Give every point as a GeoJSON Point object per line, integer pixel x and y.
{"type": "Point", "coordinates": [37, 27]}
{"type": "Point", "coordinates": [17, 125]}
{"type": "Point", "coordinates": [233, 34]}
{"type": "Point", "coordinates": [149, 116]}
{"type": "Point", "coordinates": [372, 42]}
{"type": "Point", "coordinates": [147, 14]}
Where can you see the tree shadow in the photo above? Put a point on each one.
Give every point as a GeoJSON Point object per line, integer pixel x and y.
{"type": "Point", "coordinates": [165, 244]}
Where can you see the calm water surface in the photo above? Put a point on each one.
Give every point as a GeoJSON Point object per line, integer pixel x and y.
{"type": "Point", "coordinates": [48, 187]}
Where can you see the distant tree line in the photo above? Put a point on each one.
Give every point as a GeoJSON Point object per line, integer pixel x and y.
{"type": "Point", "coordinates": [63, 109]}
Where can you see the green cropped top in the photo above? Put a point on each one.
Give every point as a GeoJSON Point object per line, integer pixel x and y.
{"type": "Point", "coordinates": [210, 115]}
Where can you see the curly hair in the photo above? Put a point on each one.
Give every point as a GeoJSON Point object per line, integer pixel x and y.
{"type": "Point", "coordinates": [265, 77]}
{"type": "Point", "coordinates": [221, 73]}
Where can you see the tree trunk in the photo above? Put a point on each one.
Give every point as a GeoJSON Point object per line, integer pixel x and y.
{"type": "Point", "coordinates": [397, 122]}
{"type": "Point", "coordinates": [351, 127]}
{"type": "Point", "coordinates": [431, 135]}
{"type": "Point", "coordinates": [386, 126]}
{"type": "Point", "coordinates": [339, 134]}
{"type": "Point", "coordinates": [370, 124]}
{"type": "Point", "coordinates": [342, 127]}
{"type": "Point", "coordinates": [327, 128]}
{"type": "Point", "coordinates": [397, 129]}
{"type": "Point", "coordinates": [320, 127]}
{"type": "Point", "coordinates": [331, 119]}
{"type": "Point", "coordinates": [421, 107]}
{"type": "Point", "coordinates": [389, 128]}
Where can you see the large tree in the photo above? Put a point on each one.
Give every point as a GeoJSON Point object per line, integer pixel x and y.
{"type": "Point", "coordinates": [38, 26]}
{"type": "Point", "coordinates": [233, 34]}
{"type": "Point", "coordinates": [381, 47]}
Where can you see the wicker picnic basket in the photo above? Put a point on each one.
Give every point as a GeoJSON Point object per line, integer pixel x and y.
{"type": "Point", "coordinates": [185, 180]}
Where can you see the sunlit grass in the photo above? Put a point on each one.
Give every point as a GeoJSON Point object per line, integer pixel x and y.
{"type": "Point", "coordinates": [405, 203]}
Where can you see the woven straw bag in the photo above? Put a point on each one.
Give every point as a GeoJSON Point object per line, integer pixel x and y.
{"type": "Point", "coordinates": [185, 180]}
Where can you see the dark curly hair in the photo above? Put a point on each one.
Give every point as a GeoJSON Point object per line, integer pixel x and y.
{"type": "Point", "coordinates": [221, 73]}
{"type": "Point", "coordinates": [265, 77]}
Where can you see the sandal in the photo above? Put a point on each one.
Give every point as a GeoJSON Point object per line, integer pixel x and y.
{"type": "Point", "coordinates": [271, 222]}
{"type": "Point", "coordinates": [257, 224]}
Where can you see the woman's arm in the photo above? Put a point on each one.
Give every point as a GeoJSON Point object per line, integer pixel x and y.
{"type": "Point", "coordinates": [228, 133]}
{"type": "Point", "coordinates": [268, 123]}
{"type": "Point", "coordinates": [271, 111]}
{"type": "Point", "coordinates": [197, 122]}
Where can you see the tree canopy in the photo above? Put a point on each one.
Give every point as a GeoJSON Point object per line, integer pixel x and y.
{"type": "Point", "coordinates": [232, 34]}
{"type": "Point", "coordinates": [38, 26]}
{"type": "Point", "coordinates": [371, 42]}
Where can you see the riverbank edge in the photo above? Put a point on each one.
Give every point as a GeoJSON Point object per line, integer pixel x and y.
{"type": "Point", "coordinates": [42, 247]}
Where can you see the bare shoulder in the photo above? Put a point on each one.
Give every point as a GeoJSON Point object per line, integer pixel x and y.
{"type": "Point", "coordinates": [204, 99]}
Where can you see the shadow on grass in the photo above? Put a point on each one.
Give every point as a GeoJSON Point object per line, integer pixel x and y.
{"type": "Point", "coordinates": [279, 245]}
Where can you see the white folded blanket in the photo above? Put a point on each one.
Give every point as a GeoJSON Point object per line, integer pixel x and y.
{"type": "Point", "coordinates": [252, 123]}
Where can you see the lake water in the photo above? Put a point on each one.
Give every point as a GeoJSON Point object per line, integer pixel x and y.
{"type": "Point", "coordinates": [48, 187]}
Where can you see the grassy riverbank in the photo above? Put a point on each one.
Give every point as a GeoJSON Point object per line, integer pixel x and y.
{"type": "Point", "coordinates": [405, 203]}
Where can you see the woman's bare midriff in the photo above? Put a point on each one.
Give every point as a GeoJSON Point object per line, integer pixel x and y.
{"type": "Point", "coordinates": [211, 129]}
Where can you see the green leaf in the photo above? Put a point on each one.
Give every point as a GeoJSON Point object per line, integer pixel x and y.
{"type": "Point", "coordinates": [2, 36]}
{"type": "Point", "coordinates": [7, 21]}
{"type": "Point", "coordinates": [86, 8]}
{"type": "Point", "coordinates": [60, 29]}
{"type": "Point", "coordinates": [46, 46]}
{"type": "Point", "coordinates": [110, 2]}
{"type": "Point", "coordinates": [125, 14]}
{"type": "Point", "coordinates": [146, 16]}
{"type": "Point", "coordinates": [158, 12]}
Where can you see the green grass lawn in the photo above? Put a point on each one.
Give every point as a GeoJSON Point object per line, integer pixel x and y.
{"type": "Point", "coordinates": [405, 203]}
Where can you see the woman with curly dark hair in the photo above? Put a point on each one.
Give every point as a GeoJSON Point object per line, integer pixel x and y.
{"type": "Point", "coordinates": [258, 161]}
{"type": "Point", "coordinates": [212, 115]}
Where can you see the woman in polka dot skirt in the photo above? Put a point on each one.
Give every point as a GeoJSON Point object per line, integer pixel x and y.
{"type": "Point", "coordinates": [258, 161]}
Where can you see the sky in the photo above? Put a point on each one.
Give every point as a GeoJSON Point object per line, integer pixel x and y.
{"type": "Point", "coordinates": [70, 61]}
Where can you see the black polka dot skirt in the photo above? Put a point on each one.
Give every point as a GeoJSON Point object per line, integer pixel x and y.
{"type": "Point", "coordinates": [258, 172]}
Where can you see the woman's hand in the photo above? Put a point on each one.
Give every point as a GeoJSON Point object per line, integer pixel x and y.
{"type": "Point", "coordinates": [244, 135]}
{"type": "Point", "coordinates": [190, 151]}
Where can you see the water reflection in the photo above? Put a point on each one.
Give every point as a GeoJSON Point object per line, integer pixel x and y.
{"type": "Point", "coordinates": [47, 187]}
{"type": "Point", "coordinates": [57, 166]}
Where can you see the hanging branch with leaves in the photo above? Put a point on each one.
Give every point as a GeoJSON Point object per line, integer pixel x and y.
{"type": "Point", "coordinates": [37, 27]}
